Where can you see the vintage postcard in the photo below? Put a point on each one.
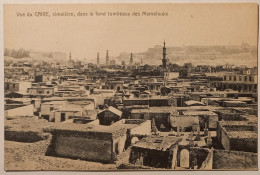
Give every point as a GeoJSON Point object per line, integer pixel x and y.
{"type": "Point", "coordinates": [130, 86]}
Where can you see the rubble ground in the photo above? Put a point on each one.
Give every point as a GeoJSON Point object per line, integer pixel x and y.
{"type": "Point", "coordinates": [30, 155]}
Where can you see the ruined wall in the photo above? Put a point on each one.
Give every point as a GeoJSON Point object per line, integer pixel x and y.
{"type": "Point", "coordinates": [223, 159]}
{"type": "Point", "coordinates": [207, 164]}
{"type": "Point", "coordinates": [74, 146]}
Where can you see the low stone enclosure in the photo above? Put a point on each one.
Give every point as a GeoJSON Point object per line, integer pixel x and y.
{"type": "Point", "coordinates": [234, 160]}
{"type": "Point", "coordinates": [238, 135]}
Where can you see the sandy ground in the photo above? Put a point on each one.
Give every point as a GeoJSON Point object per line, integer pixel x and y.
{"type": "Point", "coordinates": [31, 156]}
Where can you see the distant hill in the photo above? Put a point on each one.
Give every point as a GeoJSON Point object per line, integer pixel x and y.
{"type": "Point", "coordinates": [212, 55]}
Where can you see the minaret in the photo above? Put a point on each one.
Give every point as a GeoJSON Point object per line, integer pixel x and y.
{"type": "Point", "coordinates": [123, 63]}
{"type": "Point", "coordinates": [97, 58]}
{"type": "Point", "coordinates": [141, 61]}
{"type": "Point", "coordinates": [107, 58]}
{"type": "Point", "coordinates": [164, 60]}
{"type": "Point", "coordinates": [131, 59]}
{"type": "Point", "coordinates": [70, 56]}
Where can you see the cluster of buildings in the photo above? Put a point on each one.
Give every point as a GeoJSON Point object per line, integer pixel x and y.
{"type": "Point", "coordinates": [141, 116]}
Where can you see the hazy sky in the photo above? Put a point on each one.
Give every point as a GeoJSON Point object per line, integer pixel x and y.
{"type": "Point", "coordinates": [189, 24]}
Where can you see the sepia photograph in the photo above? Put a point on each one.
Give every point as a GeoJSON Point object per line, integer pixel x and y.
{"type": "Point", "coordinates": [130, 86]}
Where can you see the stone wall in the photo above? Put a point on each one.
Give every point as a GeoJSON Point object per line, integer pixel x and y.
{"type": "Point", "coordinates": [73, 146]}
{"type": "Point", "coordinates": [224, 139]}
{"type": "Point", "coordinates": [244, 144]}
{"type": "Point", "coordinates": [236, 143]}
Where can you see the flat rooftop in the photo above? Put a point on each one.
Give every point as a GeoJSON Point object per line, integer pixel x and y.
{"type": "Point", "coordinates": [198, 113]}
{"type": "Point", "coordinates": [89, 128]}
{"type": "Point", "coordinates": [170, 108]}
{"type": "Point", "coordinates": [154, 110]}
{"type": "Point", "coordinates": [158, 142]}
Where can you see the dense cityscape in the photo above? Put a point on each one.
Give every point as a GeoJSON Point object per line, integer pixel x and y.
{"type": "Point", "coordinates": [63, 113]}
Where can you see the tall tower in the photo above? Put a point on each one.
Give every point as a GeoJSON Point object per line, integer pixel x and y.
{"type": "Point", "coordinates": [141, 61]}
{"type": "Point", "coordinates": [70, 56]}
{"type": "Point", "coordinates": [123, 63]}
{"type": "Point", "coordinates": [98, 58]}
{"type": "Point", "coordinates": [131, 59]}
{"type": "Point", "coordinates": [107, 58]}
{"type": "Point", "coordinates": [164, 60]}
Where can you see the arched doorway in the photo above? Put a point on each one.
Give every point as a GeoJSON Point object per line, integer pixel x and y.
{"type": "Point", "coordinates": [184, 158]}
